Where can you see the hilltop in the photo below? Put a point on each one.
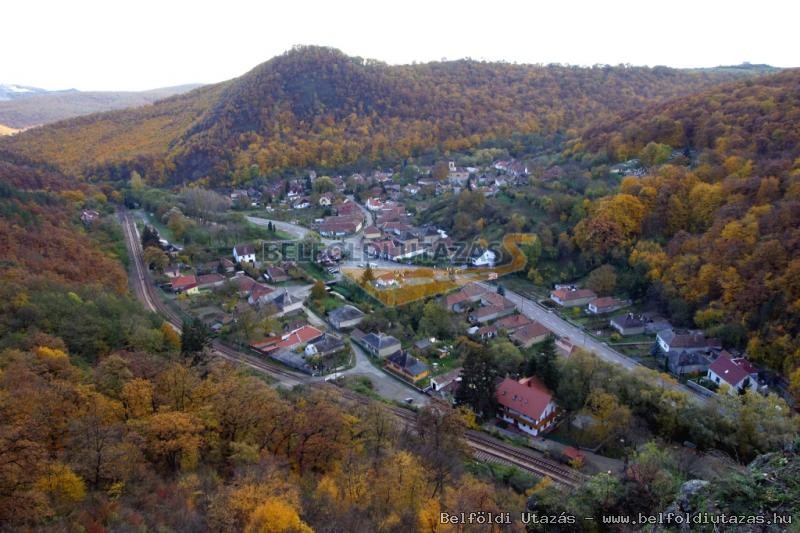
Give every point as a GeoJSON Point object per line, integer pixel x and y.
{"type": "Point", "coordinates": [317, 105]}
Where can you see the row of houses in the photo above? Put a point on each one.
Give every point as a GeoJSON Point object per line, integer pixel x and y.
{"type": "Point", "coordinates": [305, 348]}
{"type": "Point", "coordinates": [490, 313]}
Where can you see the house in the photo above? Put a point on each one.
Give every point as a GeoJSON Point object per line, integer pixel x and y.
{"type": "Point", "coordinates": [298, 337]}
{"type": "Point", "coordinates": [243, 283]}
{"type": "Point", "coordinates": [259, 294]}
{"type": "Point", "coordinates": [487, 332]}
{"type": "Point", "coordinates": [526, 404]}
{"type": "Point", "coordinates": [387, 281]}
{"type": "Point", "coordinates": [445, 385]}
{"type": "Point", "coordinates": [324, 346]}
{"type": "Point", "coordinates": [244, 253]}
{"type": "Point", "coordinates": [451, 301]}
{"type": "Point", "coordinates": [89, 216]}
{"type": "Point", "coordinates": [572, 296]}
{"type": "Point", "coordinates": [209, 281]}
{"type": "Point", "coordinates": [494, 306]}
{"type": "Point", "coordinates": [513, 322]}
{"type": "Point", "coordinates": [185, 284]}
{"type": "Point", "coordinates": [738, 373]}
{"type": "Point", "coordinates": [372, 233]}
{"type": "Point", "coordinates": [286, 302]}
{"type": "Point", "coordinates": [227, 265]}
{"type": "Point", "coordinates": [348, 208]}
{"type": "Point", "coordinates": [374, 204]}
{"type": "Point", "coordinates": [606, 304]}
{"type": "Point", "coordinates": [486, 259]}
{"type": "Point", "coordinates": [529, 335]}
{"type": "Point", "coordinates": [345, 316]}
{"type": "Point", "coordinates": [377, 344]}
{"type": "Point", "coordinates": [489, 313]}
{"type": "Point", "coordinates": [276, 274]}
{"type": "Point", "coordinates": [341, 225]}
{"type": "Point", "coordinates": [407, 366]}
{"type": "Point", "coordinates": [424, 346]}
{"type": "Point", "coordinates": [683, 363]}
{"type": "Point", "coordinates": [326, 199]}
{"type": "Point", "coordinates": [670, 340]}
{"type": "Point", "coordinates": [628, 324]}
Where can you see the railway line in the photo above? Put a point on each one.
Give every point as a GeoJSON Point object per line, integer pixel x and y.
{"type": "Point", "coordinates": [145, 292]}
{"type": "Point", "coordinates": [484, 447]}
{"type": "Point", "coordinates": [488, 448]}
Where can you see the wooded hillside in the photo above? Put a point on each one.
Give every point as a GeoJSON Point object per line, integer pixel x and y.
{"type": "Point", "coordinates": [317, 106]}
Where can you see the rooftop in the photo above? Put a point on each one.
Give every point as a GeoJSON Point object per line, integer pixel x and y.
{"type": "Point", "coordinates": [528, 396]}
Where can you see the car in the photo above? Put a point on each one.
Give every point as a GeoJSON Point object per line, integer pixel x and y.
{"type": "Point", "coordinates": [409, 400]}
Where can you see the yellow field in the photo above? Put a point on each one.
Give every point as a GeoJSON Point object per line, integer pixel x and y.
{"type": "Point", "coordinates": [417, 283]}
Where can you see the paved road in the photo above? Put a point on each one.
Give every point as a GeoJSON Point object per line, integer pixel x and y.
{"type": "Point", "coordinates": [295, 230]}
{"type": "Point", "coordinates": [385, 385]}
{"type": "Point", "coordinates": [562, 328]}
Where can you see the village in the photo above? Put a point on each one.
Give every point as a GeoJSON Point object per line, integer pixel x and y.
{"type": "Point", "coordinates": [307, 316]}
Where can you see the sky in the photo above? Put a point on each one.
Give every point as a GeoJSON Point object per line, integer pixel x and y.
{"type": "Point", "coordinates": [143, 44]}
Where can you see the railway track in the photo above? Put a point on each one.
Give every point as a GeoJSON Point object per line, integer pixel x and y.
{"type": "Point", "coordinates": [487, 448]}
{"type": "Point", "coordinates": [484, 447]}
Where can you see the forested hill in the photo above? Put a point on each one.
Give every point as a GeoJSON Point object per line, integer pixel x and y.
{"type": "Point", "coordinates": [318, 106]}
{"type": "Point", "coordinates": [716, 229]}
{"type": "Point", "coordinates": [758, 119]}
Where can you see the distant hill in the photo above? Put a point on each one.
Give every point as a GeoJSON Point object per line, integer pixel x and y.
{"type": "Point", "coordinates": [317, 106]}
{"type": "Point", "coordinates": [13, 92]}
{"type": "Point", "coordinates": [5, 130]}
{"type": "Point", "coordinates": [37, 107]}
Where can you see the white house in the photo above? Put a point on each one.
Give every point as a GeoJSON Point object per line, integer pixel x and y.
{"type": "Point", "coordinates": [738, 373]}
{"type": "Point", "coordinates": [486, 259]}
{"type": "Point", "coordinates": [244, 253]}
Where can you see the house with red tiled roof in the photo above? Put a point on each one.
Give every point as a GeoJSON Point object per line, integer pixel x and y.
{"type": "Point", "coordinates": [185, 284]}
{"type": "Point", "coordinates": [300, 336]}
{"type": "Point", "coordinates": [529, 335]}
{"type": "Point", "coordinates": [209, 281]}
{"type": "Point", "coordinates": [372, 233]}
{"type": "Point", "coordinates": [259, 294]}
{"type": "Point", "coordinates": [738, 373]}
{"type": "Point", "coordinates": [572, 296]}
{"type": "Point", "coordinates": [513, 322]}
{"type": "Point", "coordinates": [526, 404]}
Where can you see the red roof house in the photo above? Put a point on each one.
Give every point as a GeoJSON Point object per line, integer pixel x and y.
{"type": "Point", "coordinates": [527, 404]}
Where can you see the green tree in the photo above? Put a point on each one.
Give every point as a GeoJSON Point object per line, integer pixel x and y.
{"type": "Point", "coordinates": [435, 321]}
{"type": "Point", "coordinates": [155, 257]}
{"type": "Point", "coordinates": [655, 154]}
{"type": "Point", "coordinates": [367, 276]}
{"type": "Point", "coordinates": [318, 291]}
{"type": "Point", "coordinates": [195, 338]}
{"type": "Point", "coordinates": [603, 280]}
{"type": "Point", "coordinates": [478, 376]}
{"type": "Point", "coordinates": [137, 183]}
{"type": "Point", "coordinates": [544, 364]}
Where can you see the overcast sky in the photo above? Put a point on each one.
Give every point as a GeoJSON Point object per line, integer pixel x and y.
{"type": "Point", "coordinates": [142, 44]}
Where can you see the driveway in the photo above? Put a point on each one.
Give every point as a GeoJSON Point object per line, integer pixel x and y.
{"type": "Point", "coordinates": [295, 230]}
